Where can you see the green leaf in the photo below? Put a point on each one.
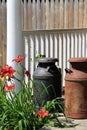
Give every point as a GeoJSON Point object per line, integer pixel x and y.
{"type": "Point", "coordinates": [20, 125]}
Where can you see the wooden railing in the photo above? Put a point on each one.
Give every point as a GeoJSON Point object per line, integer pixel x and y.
{"type": "Point", "coordinates": [61, 44]}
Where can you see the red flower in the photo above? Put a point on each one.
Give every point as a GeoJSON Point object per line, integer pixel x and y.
{"type": "Point", "coordinates": [9, 88]}
{"type": "Point", "coordinates": [27, 73]}
{"type": "Point", "coordinates": [7, 71]}
{"type": "Point", "coordinates": [42, 113]}
{"type": "Point", "coordinates": [19, 59]}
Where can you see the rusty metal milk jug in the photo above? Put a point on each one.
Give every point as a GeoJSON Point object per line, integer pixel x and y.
{"type": "Point", "coordinates": [76, 89]}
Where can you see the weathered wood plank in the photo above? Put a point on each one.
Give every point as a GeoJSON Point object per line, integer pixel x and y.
{"type": "Point", "coordinates": [38, 13]}
{"type": "Point", "coordinates": [25, 15]}
{"type": "Point", "coordinates": [81, 13]}
{"type": "Point", "coordinates": [71, 14]}
{"type": "Point", "coordinates": [61, 24]}
{"type": "Point", "coordinates": [85, 14]}
{"type": "Point", "coordinates": [57, 15]}
{"type": "Point", "coordinates": [43, 12]}
{"type": "Point", "coordinates": [52, 10]}
{"type": "Point", "coordinates": [66, 12]}
{"type": "Point", "coordinates": [47, 14]}
{"type": "Point", "coordinates": [0, 34]}
{"type": "Point", "coordinates": [76, 14]}
{"type": "Point", "coordinates": [29, 14]}
{"type": "Point", "coordinates": [34, 15]}
{"type": "Point", "coordinates": [22, 14]}
{"type": "Point", "coordinates": [4, 27]}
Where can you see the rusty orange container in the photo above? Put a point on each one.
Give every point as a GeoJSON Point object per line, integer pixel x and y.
{"type": "Point", "coordinates": [76, 89]}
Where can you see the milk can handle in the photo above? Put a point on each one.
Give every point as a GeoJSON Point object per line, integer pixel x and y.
{"type": "Point", "coordinates": [68, 70]}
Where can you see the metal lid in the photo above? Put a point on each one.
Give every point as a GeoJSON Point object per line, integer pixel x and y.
{"type": "Point", "coordinates": [47, 60]}
{"type": "Point", "coordinates": [80, 59]}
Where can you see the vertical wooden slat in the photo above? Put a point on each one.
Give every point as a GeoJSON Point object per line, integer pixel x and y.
{"type": "Point", "coordinates": [61, 5]}
{"type": "Point", "coordinates": [66, 12]}
{"type": "Point", "coordinates": [64, 56]}
{"type": "Point", "coordinates": [56, 16]}
{"type": "Point", "coordinates": [22, 14]}
{"type": "Point", "coordinates": [83, 44]}
{"type": "Point", "coordinates": [71, 14]}
{"type": "Point", "coordinates": [51, 45]}
{"type": "Point", "coordinates": [4, 16]}
{"type": "Point", "coordinates": [0, 33]}
{"type": "Point", "coordinates": [83, 40]}
{"type": "Point", "coordinates": [76, 14]}
{"type": "Point", "coordinates": [85, 14]}
{"type": "Point", "coordinates": [76, 45]}
{"type": "Point", "coordinates": [37, 44]}
{"type": "Point", "coordinates": [32, 54]}
{"type": "Point", "coordinates": [38, 13]}
{"type": "Point", "coordinates": [34, 14]}
{"type": "Point", "coordinates": [56, 46]}
{"type": "Point", "coordinates": [47, 44]}
{"type": "Point", "coordinates": [47, 14]}
{"type": "Point", "coordinates": [29, 48]}
{"type": "Point", "coordinates": [86, 45]}
{"type": "Point", "coordinates": [52, 10]}
{"type": "Point", "coordinates": [29, 14]}
{"type": "Point", "coordinates": [68, 48]}
{"type": "Point", "coordinates": [25, 15]}
{"type": "Point", "coordinates": [80, 45]}
{"type": "Point", "coordinates": [43, 12]}
{"type": "Point", "coordinates": [81, 13]}
{"type": "Point", "coordinates": [72, 45]}
{"type": "Point", "coordinates": [42, 44]}
{"type": "Point", "coordinates": [60, 50]}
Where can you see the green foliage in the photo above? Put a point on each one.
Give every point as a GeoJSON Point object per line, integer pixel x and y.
{"type": "Point", "coordinates": [40, 56]}
{"type": "Point", "coordinates": [18, 110]}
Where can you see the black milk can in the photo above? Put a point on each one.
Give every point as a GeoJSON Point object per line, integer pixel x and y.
{"type": "Point", "coordinates": [47, 79]}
